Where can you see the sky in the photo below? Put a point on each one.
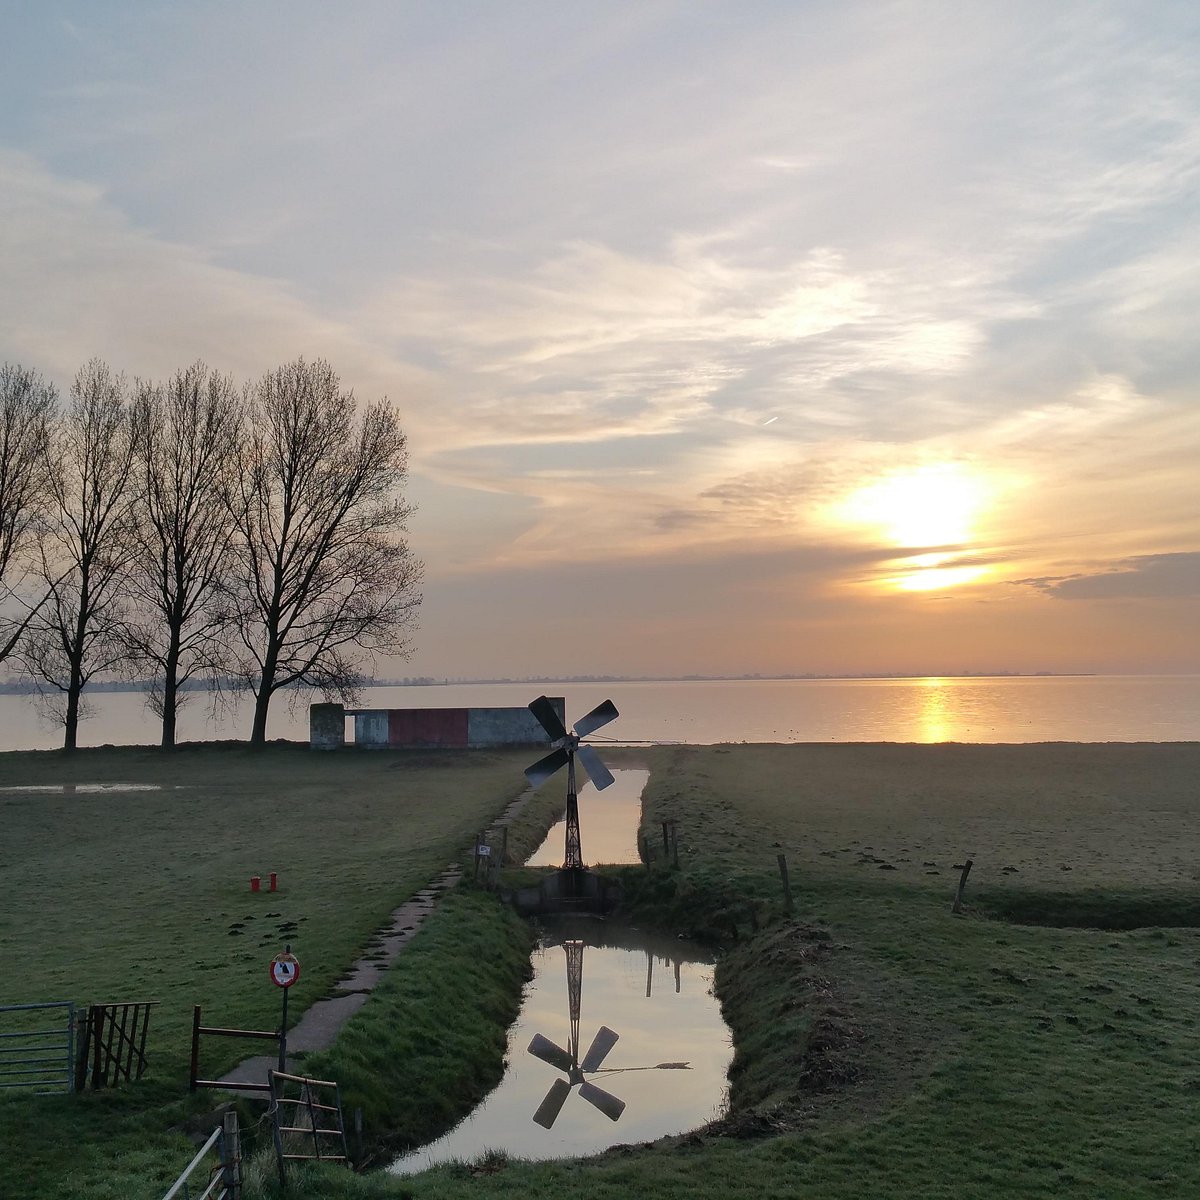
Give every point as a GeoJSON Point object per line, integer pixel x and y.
{"type": "Point", "coordinates": [728, 338]}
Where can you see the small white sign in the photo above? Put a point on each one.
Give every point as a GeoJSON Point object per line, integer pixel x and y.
{"type": "Point", "coordinates": [285, 970]}
{"type": "Point", "coordinates": [484, 851]}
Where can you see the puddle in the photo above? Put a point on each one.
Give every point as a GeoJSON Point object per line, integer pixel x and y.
{"type": "Point", "coordinates": [608, 824]}
{"type": "Point", "coordinates": [665, 1072]}
{"type": "Point", "coordinates": [70, 789]}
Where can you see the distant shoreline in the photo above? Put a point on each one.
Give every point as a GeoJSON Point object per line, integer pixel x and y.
{"type": "Point", "coordinates": [24, 688]}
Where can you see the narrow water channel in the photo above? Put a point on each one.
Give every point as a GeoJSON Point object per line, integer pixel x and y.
{"type": "Point", "coordinates": [665, 1072]}
{"type": "Point", "coordinates": [619, 1038]}
{"type": "Point", "coordinates": [608, 824]}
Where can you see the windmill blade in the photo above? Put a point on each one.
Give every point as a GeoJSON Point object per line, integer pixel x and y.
{"type": "Point", "coordinates": [602, 1043]}
{"type": "Point", "coordinates": [597, 718]}
{"type": "Point", "coordinates": [548, 718]}
{"type": "Point", "coordinates": [597, 772]}
{"type": "Point", "coordinates": [545, 767]}
{"type": "Point", "coordinates": [549, 1052]}
{"type": "Point", "coordinates": [606, 1102]}
{"type": "Point", "coordinates": [551, 1106]}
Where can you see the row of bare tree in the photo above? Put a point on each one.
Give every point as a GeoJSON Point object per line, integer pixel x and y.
{"type": "Point", "coordinates": [195, 528]}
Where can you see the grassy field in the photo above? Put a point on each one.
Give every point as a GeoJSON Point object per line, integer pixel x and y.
{"type": "Point", "coordinates": [144, 895]}
{"type": "Point", "coordinates": [1044, 1043]}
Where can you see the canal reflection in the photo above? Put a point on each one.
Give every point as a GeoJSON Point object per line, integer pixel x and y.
{"type": "Point", "coordinates": [623, 1020]}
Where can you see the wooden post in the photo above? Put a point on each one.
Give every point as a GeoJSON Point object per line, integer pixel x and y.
{"type": "Point", "coordinates": [962, 883]}
{"type": "Point", "coordinates": [231, 1157]}
{"type": "Point", "coordinates": [195, 1048]}
{"type": "Point", "coordinates": [787, 887]}
{"type": "Point", "coordinates": [98, 1079]}
{"type": "Point", "coordinates": [475, 877]}
{"type": "Point", "coordinates": [503, 845]}
{"type": "Point", "coordinates": [674, 844]}
{"type": "Point", "coordinates": [666, 826]}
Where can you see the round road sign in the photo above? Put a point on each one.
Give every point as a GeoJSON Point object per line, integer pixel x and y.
{"type": "Point", "coordinates": [285, 970]}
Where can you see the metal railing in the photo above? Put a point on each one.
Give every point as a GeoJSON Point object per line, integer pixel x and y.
{"type": "Point", "coordinates": [38, 1057]}
{"type": "Point", "coordinates": [224, 1181]}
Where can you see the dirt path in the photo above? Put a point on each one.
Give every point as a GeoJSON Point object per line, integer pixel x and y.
{"type": "Point", "coordinates": [323, 1020]}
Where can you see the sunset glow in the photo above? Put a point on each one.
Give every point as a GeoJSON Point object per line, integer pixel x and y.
{"type": "Point", "coordinates": [773, 338]}
{"type": "Point", "coordinates": [925, 506]}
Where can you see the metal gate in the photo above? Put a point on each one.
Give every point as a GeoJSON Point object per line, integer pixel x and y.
{"type": "Point", "coordinates": [37, 1046]}
{"type": "Point", "coordinates": [216, 1171]}
{"type": "Point", "coordinates": [308, 1121]}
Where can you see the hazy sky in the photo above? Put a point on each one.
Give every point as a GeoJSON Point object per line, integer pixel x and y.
{"type": "Point", "coordinates": [728, 337]}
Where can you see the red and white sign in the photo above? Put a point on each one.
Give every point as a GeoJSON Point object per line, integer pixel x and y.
{"type": "Point", "coordinates": [285, 970]}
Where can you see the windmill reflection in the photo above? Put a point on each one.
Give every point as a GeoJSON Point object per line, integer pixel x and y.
{"type": "Point", "coordinates": [568, 1060]}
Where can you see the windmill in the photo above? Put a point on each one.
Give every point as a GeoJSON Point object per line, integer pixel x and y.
{"type": "Point", "coordinates": [568, 1060]}
{"type": "Point", "coordinates": [566, 747]}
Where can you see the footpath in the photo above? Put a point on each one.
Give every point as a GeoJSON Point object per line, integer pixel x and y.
{"type": "Point", "coordinates": [323, 1020]}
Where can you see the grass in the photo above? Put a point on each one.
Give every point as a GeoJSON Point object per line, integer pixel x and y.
{"type": "Point", "coordinates": [1045, 1043]}
{"type": "Point", "coordinates": [886, 1047]}
{"type": "Point", "coordinates": [119, 896]}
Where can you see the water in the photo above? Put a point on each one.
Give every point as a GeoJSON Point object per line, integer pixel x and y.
{"type": "Point", "coordinates": [1096, 708]}
{"type": "Point", "coordinates": [668, 1067]}
{"type": "Point", "coordinates": [608, 824]}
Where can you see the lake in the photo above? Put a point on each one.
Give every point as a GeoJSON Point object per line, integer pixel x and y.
{"type": "Point", "coordinates": [1093, 708]}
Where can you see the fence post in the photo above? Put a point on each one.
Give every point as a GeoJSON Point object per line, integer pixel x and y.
{"type": "Point", "coordinates": [231, 1157]}
{"type": "Point", "coordinates": [666, 827]}
{"type": "Point", "coordinates": [96, 1014]}
{"type": "Point", "coordinates": [787, 887]}
{"type": "Point", "coordinates": [962, 883]}
{"type": "Point", "coordinates": [643, 850]}
{"type": "Point", "coordinates": [503, 844]}
{"type": "Point", "coordinates": [195, 1048]}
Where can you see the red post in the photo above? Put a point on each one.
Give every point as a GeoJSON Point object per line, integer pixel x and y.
{"type": "Point", "coordinates": [273, 882]}
{"type": "Point", "coordinates": [255, 883]}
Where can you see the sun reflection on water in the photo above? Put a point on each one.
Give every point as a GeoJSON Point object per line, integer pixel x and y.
{"type": "Point", "coordinates": [935, 716]}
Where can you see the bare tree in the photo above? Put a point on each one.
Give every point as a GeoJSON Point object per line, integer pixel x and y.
{"type": "Point", "coordinates": [27, 409]}
{"type": "Point", "coordinates": [86, 548]}
{"type": "Point", "coordinates": [323, 574]}
{"type": "Point", "coordinates": [184, 441]}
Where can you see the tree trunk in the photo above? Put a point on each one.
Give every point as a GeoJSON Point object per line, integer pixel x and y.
{"type": "Point", "coordinates": [266, 688]}
{"type": "Point", "coordinates": [170, 708]}
{"type": "Point", "coordinates": [258, 734]}
{"type": "Point", "coordinates": [71, 725]}
{"type": "Point", "coordinates": [170, 696]}
{"type": "Point", "coordinates": [76, 681]}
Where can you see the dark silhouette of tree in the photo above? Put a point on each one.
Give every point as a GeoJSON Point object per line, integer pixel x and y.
{"type": "Point", "coordinates": [86, 546]}
{"type": "Point", "coordinates": [322, 574]}
{"type": "Point", "coordinates": [184, 444]}
{"type": "Point", "coordinates": [27, 409]}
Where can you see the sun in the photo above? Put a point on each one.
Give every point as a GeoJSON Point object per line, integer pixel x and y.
{"type": "Point", "coordinates": [930, 515]}
{"type": "Point", "coordinates": [926, 506]}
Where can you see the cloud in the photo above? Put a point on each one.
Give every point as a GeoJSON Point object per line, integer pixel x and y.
{"type": "Point", "coordinates": [82, 279]}
{"type": "Point", "coordinates": [1148, 576]}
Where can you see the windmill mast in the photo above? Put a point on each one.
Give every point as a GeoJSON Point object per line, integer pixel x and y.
{"type": "Point", "coordinates": [574, 856]}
